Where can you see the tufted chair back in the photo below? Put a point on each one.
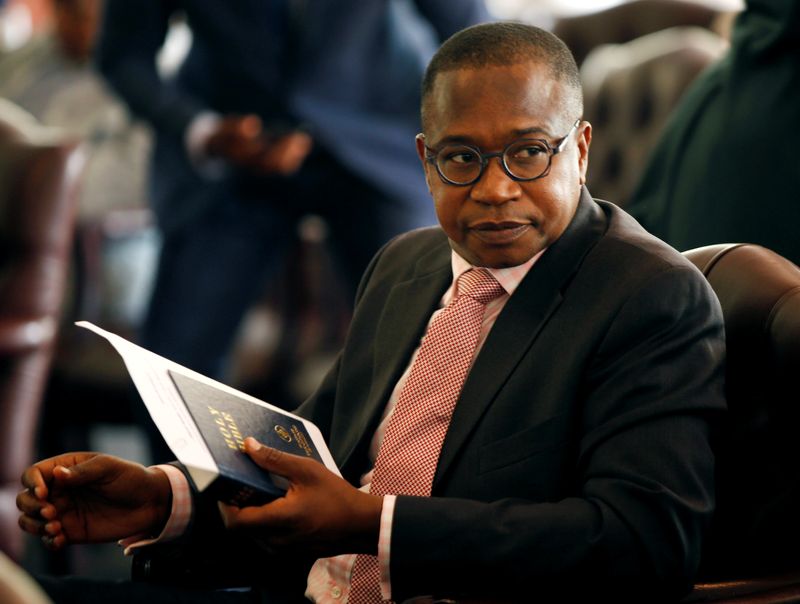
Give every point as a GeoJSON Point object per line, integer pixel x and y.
{"type": "Point", "coordinates": [630, 90]}
{"type": "Point", "coordinates": [38, 182]}
{"type": "Point", "coordinates": [629, 20]}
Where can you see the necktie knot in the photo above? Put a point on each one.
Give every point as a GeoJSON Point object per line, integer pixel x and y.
{"type": "Point", "coordinates": [480, 285]}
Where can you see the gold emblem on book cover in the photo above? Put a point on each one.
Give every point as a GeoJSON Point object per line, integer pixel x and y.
{"type": "Point", "coordinates": [283, 433]}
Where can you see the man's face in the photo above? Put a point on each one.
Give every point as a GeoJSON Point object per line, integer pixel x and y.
{"type": "Point", "coordinates": [496, 221]}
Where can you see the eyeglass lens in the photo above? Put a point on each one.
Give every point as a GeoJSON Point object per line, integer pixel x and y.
{"type": "Point", "coordinates": [524, 159]}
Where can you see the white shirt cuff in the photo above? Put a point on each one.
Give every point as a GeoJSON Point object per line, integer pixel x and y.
{"type": "Point", "coordinates": [384, 544]}
{"type": "Point", "coordinates": [180, 513]}
{"type": "Point", "coordinates": [197, 134]}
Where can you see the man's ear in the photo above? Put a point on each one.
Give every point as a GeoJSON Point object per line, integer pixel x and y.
{"type": "Point", "coordinates": [584, 138]}
{"type": "Point", "coordinates": [420, 140]}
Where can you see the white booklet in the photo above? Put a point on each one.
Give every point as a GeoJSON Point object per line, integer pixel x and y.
{"type": "Point", "coordinates": [205, 422]}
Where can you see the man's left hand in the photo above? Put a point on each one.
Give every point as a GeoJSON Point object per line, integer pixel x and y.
{"type": "Point", "coordinates": [321, 513]}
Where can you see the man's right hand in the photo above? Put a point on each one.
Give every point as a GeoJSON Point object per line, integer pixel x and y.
{"type": "Point", "coordinates": [91, 497]}
{"type": "Point", "coordinates": [242, 141]}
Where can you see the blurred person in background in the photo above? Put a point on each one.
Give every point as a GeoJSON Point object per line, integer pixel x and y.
{"type": "Point", "coordinates": [726, 169]}
{"type": "Point", "coordinates": [281, 109]}
{"type": "Point", "coordinates": [52, 77]}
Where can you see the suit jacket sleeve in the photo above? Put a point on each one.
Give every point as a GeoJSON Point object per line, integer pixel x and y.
{"type": "Point", "coordinates": [130, 37]}
{"type": "Point", "coordinates": [641, 490]}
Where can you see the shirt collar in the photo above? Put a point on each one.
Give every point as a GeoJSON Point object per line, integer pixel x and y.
{"type": "Point", "coordinates": [508, 278]}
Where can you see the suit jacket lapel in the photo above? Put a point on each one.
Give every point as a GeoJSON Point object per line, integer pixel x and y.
{"type": "Point", "coordinates": [400, 327]}
{"type": "Point", "coordinates": [405, 317]}
{"type": "Point", "coordinates": [520, 323]}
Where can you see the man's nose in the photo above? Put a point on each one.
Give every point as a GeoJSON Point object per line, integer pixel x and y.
{"type": "Point", "coordinates": [495, 185]}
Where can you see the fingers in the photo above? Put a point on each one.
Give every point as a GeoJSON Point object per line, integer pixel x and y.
{"type": "Point", "coordinates": [276, 514]}
{"type": "Point", "coordinates": [93, 469]}
{"type": "Point", "coordinates": [39, 515]}
{"type": "Point", "coordinates": [290, 152]}
{"type": "Point", "coordinates": [40, 476]}
{"type": "Point", "coordinates": [54, 543]}
{"type": "Point", "coordinates": [248, 126]}
{"type": "Point", "coordinates": [237, 138]}
{"type": "Point", "coordinates": [32, 502]}
{"type": "Point", "coordinates": [276, 461]}
{"type": "Point", "coordinates": [268, 518]}
{"type": "Point", "coordinates": [239, 128]}
{"type": "Point", "coordinates": [39, 518]}
{"type": "Point", "coordinates": [243, 141]}
{"type": "Point", "coordinates": [51, 532]}
{"type": "Point", "coordinates": [29, 503]}
{"type": "Point", "coordinates": [33, 480]}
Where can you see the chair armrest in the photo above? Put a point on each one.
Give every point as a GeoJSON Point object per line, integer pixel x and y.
{"type": "Point", "coordinates": [18, 334]}
{"type": "Point", "coordinates": [768, 589]}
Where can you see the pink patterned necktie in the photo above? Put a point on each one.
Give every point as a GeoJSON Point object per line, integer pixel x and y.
{"type": "Point", "coordinates": [410, 449]}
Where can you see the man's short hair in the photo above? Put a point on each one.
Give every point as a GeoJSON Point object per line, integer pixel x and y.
{"type": "Point", "coordinates": [506, 43]}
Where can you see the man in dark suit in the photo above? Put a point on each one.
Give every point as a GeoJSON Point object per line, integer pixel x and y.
{"type": "Point", "coordinates": [577, 459]}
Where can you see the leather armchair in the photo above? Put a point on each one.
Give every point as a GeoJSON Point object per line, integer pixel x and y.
{"type": "Point", "coordinates": [38, 184]}
{"type": "Point", "coordinates": [753, 554]}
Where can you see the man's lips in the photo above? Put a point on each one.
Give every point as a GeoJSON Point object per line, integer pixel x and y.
{"type": "Point", "coordinates": [500, 232]}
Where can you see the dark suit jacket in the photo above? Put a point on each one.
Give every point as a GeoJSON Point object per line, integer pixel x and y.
{"type": "Point", "coordinates": [578, 464]}
{"type": "Point", "coordinates": [578, 455]}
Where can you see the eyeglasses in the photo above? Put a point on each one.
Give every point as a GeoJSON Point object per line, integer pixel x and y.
{"type": "Point", "coordinates": [523, 160]}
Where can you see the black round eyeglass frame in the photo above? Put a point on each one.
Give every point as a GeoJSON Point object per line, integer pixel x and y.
{"type": "Point", "coordinates": [432, 157]}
